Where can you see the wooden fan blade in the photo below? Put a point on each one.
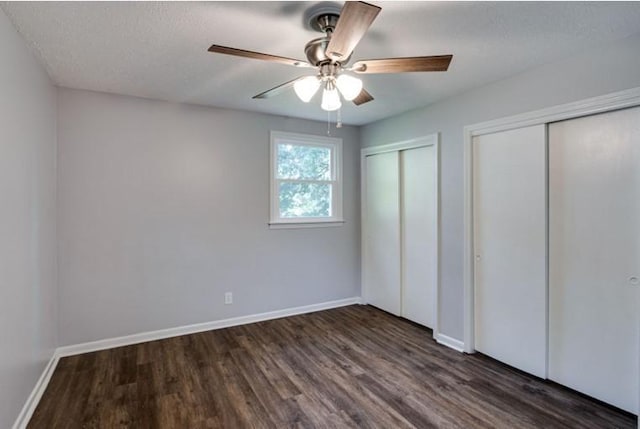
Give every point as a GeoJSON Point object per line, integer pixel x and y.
{"type": "Point", "coordinates": [355, 19]}
{"type": "Point", "coordinates": [363, 97]}
{"type": "Point", "coordinates": [276, 90]}
{"type": "Point", "coordinates": [257, 56]}
{"type": "Point", "coordinates": [400, 65]}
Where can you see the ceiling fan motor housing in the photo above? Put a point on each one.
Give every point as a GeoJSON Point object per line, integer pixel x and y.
{"type": "Point", "coordinates": [315, 51]}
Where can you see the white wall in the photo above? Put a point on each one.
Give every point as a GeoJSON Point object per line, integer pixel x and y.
{"type": "Point", "coordinates": [28, 315]}
{"type": "Point", "coordinates": [164, 207]}
{"type": "Point", "coordinates": [599, 71]}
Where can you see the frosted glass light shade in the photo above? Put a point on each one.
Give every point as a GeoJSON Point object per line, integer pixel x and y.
{"type": "Point", "coordinates": [349, 86]}
{"type": "Point", "coordinates": [331, 100]}
{"type": "Point", "coordinates": [306, 88]}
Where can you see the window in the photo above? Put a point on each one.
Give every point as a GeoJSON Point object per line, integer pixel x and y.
{"type": "Point", "coordinates": [306, 186]}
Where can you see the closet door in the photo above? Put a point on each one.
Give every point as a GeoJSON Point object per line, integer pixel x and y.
{"type": "Point", "coordinates": [382, 229]}
{"type": "Point", "coordinates": [419, 237]}
{"type": "Point", "coordinates": [510, 247]}
{"type": "Point", "coordinates": [594, 264]}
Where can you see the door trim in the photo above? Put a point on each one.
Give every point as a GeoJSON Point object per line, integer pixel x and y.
{"type": "Point", "coordinates": [425, 141]}
{"type": "Point", "coordinates": [590, 106]}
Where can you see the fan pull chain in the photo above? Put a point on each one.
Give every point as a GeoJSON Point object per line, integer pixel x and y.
{"type": "Point", "coordinates": [338, 120]}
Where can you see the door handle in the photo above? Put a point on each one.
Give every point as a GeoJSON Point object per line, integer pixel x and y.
{"type": "Point", "coordinates": [634, 280]}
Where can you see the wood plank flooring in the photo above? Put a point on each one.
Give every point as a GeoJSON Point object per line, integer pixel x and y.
{"type": "Point", "coordinates": [348, 367]}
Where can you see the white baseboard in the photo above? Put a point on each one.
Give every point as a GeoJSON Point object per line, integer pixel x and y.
{"type": "Point", "coordinates": [452, 343]}
{"type": "Point", "coordinates": [33, 399]}
{"type": "Point", "coordinates": [35, 396]}
{"type": "Point", "coordinates": [143, 337]}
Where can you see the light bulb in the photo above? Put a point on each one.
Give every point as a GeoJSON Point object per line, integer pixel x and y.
{"type": "Point", "coordinates": [305, 88]}
{"type": "Point", "coordinates": [330, 99]}
{"type": "Point", "coordinates": [349, 86]}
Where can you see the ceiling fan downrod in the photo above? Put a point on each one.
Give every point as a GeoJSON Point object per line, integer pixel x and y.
{"type": "Point", "coordinates": [327, 23]}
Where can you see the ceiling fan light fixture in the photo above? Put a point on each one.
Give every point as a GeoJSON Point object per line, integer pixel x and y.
{"type": "Point", "coordinates": [349, 86]}
{"type": "Point", "coordinates": [330, 98]}
{"type": "Point", "coordinates": [306, 88]}
{"type": "Point", "coordinates": [342, 28]}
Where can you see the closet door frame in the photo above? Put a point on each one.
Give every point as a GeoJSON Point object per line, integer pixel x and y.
{"type": "Point", "coordinates": [429, 140]}
{"type": "Point", "coordinates": [590, 106]}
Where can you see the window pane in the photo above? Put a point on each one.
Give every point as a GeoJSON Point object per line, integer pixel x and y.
{"type": "Point", "coordinates": [304, 162]}
{"type": "Point", "coordinates": [305, 200]}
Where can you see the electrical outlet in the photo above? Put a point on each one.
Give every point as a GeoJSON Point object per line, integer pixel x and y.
{"type": "Point", "coordinates": [228, 298]}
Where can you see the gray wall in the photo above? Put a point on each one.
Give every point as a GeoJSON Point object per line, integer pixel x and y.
{"type": "Point", "coordinates": [163, 207]}
{"type": "Point", "coordinates": [28, 316]}
{"type": "Point", "coordinates": [599, 71]}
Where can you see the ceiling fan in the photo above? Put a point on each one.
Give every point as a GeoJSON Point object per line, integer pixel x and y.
{"type": "Point", "coordinates": [330, 55]}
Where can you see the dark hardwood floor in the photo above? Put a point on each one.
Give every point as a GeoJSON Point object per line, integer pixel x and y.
{"type": "Point", "coordinates": [349, 367]}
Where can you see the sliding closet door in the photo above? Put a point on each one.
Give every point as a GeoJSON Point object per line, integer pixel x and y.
{"type": "Point", "coordinates": [419, 238]}
{"type": "Point", "coordinates": [594, 260]}
{"type": "Point", "coordinates": [382, 229]}
{"type": "Point", "coordinates": [510, 247]}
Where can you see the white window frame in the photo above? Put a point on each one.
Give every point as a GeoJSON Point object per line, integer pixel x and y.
{"type": "Point", "coordinates": [335, 145]}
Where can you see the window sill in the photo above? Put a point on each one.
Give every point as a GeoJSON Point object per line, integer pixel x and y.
{"type": "Point", "coordinates": [300, 225]}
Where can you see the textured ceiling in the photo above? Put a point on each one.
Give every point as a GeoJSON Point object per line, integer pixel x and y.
{"type": "Point", "coordinates": [159, 49]}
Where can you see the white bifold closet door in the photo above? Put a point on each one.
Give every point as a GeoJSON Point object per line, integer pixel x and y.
{"type": "Point", "coordinates": [401, 232]}
{"type": "Point", "coordinates": [419, 229]}
{"type": "Point", "coordinates": [594, 259]}
{"type": "Point", "coordinates": [382, 253]}
{"type": "Point", "coordinates": [510, 230]}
